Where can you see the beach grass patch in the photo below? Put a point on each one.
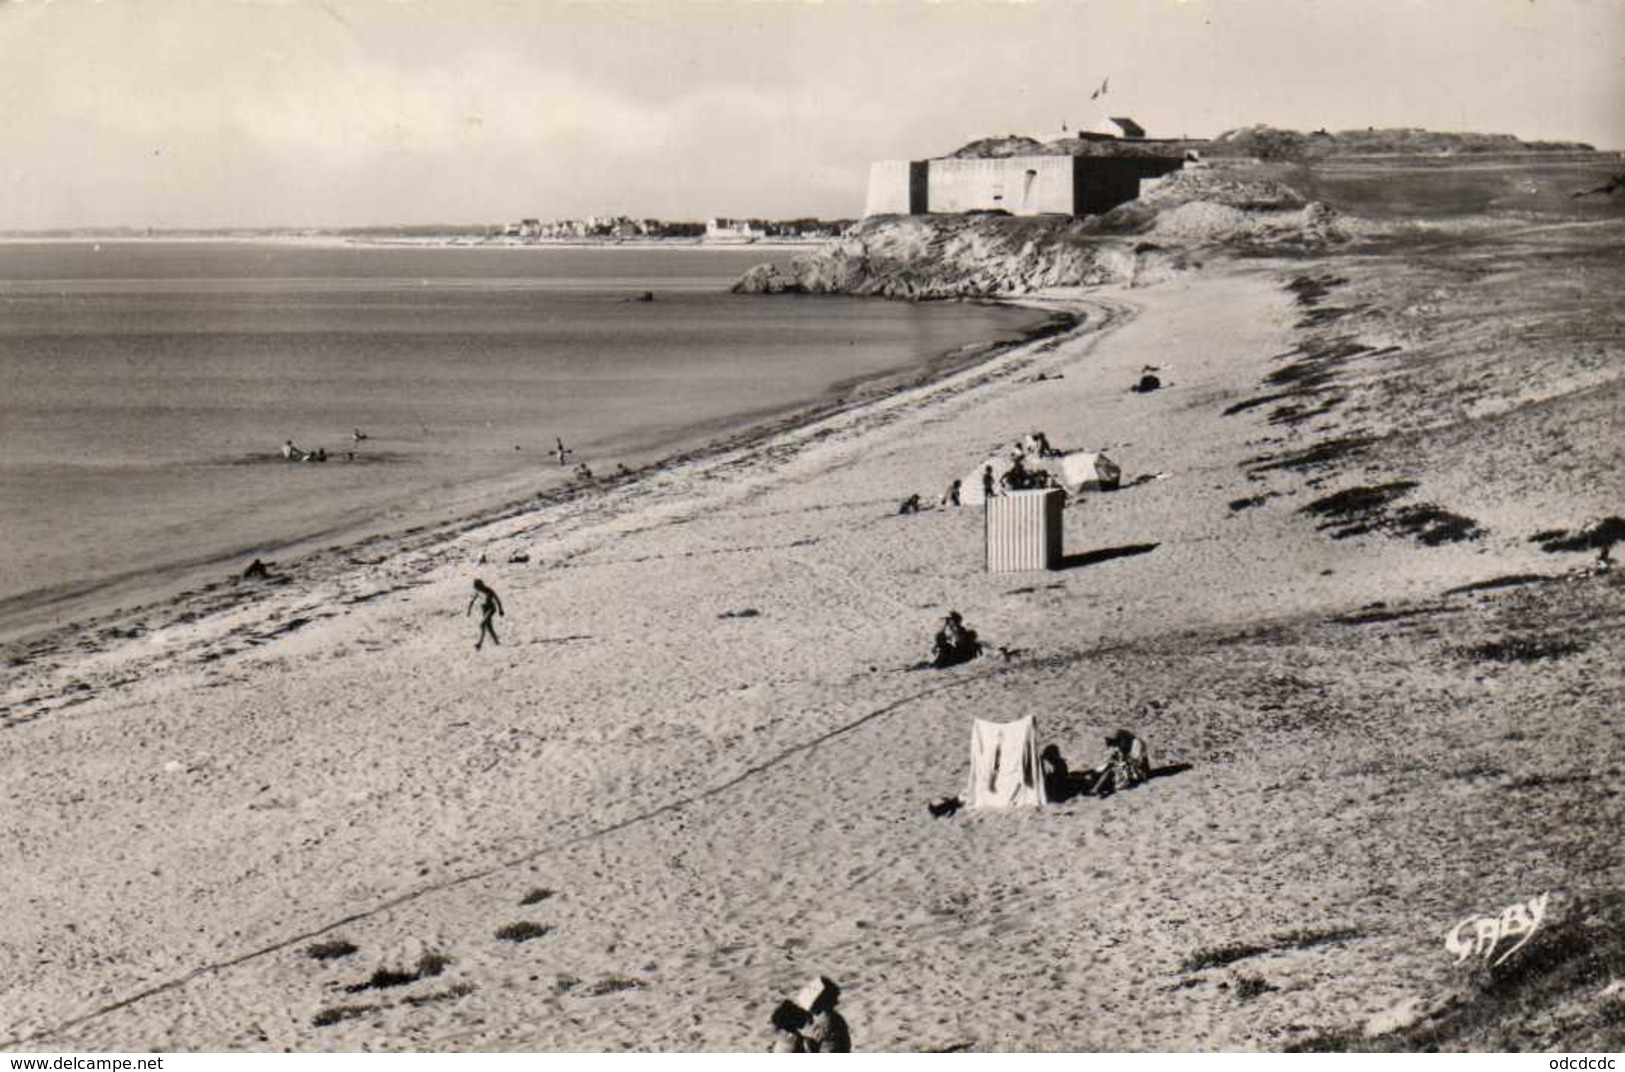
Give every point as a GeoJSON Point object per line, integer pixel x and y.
{"type": "Point", "coordinates": [450, 993]}
{"type": "Point", "coordinates": [1434, 525]}
{"type": "Point", "coordinates": [1297, 938]}
{"type": "Point", "coordinates": [1361, 506]}
{"type": "Point", "coordinates": [1253, 500]}
{"type": "Point", "coordinates": [1378, 613]}
{"type": "Point", "coordinates": [1219, 956]}
{"type": "Point", "coordinates": [383, 979]}
{"type": "Point", "coordinates": [1310, 289]}
{"type": "Point", "coordinates": [335, 1014]}
{"type": "Point", "coordinates": [1253, 403]}
{"type": "Point", "coordinates": [1324, 1041]}
{"type": "Point", "coordinates": [522, 931]}
{"type": "Point", "coordinates": [1249, 987]}
{"type": "Point", "coordinates": [430, 963]}
{"type": "Point", "coordinates": [1510, 580]}
{"type": "Point", "coordinates": [1324, 455]}
{"type": "Point", "coordinates": [330, 950]}
{"type": "Point", "coordinates": [1542, 781]}
{"type": "Point", "coordinates": [1596, 536]}
{"type": "Point", "coordinates": [1524, 649]}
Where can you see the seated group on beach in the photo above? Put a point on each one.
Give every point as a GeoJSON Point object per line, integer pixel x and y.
{"type": "Point", "coordinates": [291, 452]}
{"type": "Point", "coordinates": [1127, 764]}
{"type": "Point", "coordinates": [1020, 478]}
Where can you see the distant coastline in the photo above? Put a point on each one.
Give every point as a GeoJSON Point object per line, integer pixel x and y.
{"type": "Point", "coordinates": [327, 240]}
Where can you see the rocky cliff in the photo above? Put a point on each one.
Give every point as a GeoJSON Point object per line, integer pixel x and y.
{"type": "Point", "coordinates": [1164, 232]}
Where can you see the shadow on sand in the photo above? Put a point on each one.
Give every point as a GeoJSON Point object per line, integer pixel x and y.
{"type": "Point", "coordinates": [1082, 783]}
{"type": "Point", "coordinates": [1105, 554]}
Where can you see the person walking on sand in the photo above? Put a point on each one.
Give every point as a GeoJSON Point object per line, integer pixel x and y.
{"type": "Point", "coordinates": [490, 607]}
{"type": "Point", "coordinates": [987, 482]}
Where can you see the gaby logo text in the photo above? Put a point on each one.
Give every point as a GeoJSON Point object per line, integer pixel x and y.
{"type": "Point", "coordinates": [1482, 935]}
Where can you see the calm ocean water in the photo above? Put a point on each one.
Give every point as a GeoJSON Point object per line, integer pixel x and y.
{"type": "Point", "coordinates": [145, 387]}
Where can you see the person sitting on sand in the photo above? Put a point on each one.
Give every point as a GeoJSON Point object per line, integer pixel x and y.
{"type": "Point", "coordinates": [291, 453]}
{"type": "Point", "coordinates": [955, 643]}
{"type": "Point", "coordinates": [1037, 443]}
{"type": "Point", "coordinates": [256, 571]}
{"type": "Point", "coordinates": [826, 1031]}
{"type": "Point", "coordinates": [788, 1020]}
{"type": "Point", "coordinates": [1128, 763]}
{"type": "Point", "coordinates": [911, 505]}
{"type": "Point", "coordinates": [1057, 779]}
{"type": "Point", "coordinates": [489, 609]}
{"type": "Point", "coordinates": [951, 496]}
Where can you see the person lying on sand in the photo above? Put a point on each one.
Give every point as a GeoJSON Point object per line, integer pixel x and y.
{"type": "Point", "coordinates": [489, 609]}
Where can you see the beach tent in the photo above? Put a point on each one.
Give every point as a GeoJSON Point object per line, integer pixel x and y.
{"type": "Point", "coordinates": [970, 488]}
{"type": "Point", "coordinates": [1082, 471]}
{"type": "Point", "coordinates": [1004, 768]}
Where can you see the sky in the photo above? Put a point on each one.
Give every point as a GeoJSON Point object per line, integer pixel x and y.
{"type": "Point", "coordinates": [305, 113]}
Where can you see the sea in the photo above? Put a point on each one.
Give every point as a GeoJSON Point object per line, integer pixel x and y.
{"type": "Point", "coordinates": [146, 388]}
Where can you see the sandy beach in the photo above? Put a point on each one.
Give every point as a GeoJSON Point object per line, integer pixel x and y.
{"type": "Point", "coordinates": [697, 766]}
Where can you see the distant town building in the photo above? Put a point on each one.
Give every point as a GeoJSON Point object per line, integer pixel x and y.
{"type": "Point", "coordinates": [726, 230]}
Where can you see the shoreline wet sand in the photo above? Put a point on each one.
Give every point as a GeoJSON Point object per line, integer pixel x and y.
{"type": "Point", "coordinates": [695, 771]}
{"type": "Point", "coordinates": [189, 516]}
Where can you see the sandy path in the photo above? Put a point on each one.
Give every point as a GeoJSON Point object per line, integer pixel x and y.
{"type": "Point", "coordinates": [723, 803]}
